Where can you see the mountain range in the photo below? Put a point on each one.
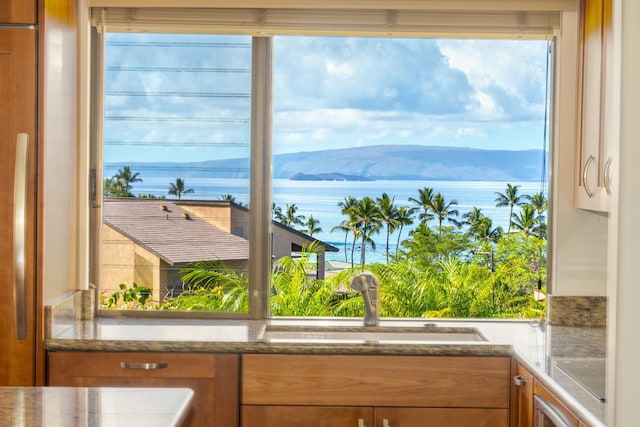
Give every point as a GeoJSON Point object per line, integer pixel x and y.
{"type": "Point", "coordinates": [382, 162]}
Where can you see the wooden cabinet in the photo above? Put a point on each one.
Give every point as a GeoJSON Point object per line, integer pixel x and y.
{"type": "Point", "coordinates": [521, 397]}
{"type": "Point", "coordinates": [213, 378]}
{"type": "Point", "coordinates": [594, 157]}
{"type": "Point", "coordinates": [445, 390]}
{"type": "Point", "coordinates": [18, 12]}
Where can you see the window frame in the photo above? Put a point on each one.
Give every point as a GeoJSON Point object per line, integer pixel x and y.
{"type": "Point", "coordinates": [261, 151]}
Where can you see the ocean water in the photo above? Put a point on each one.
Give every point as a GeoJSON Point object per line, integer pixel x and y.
{"type": "Point", "coordinates": [321, 198]}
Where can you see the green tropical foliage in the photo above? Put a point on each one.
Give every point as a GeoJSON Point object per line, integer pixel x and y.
{"type": "Point", "coordinates": [135, 297]}
{"type": "Point", "coordinates": [211, 286]}
{"type": "Point", "coordinates": [121, 184]}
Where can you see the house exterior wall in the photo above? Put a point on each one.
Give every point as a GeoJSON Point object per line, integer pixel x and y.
{"type": "Point", "coordinates": [124, 261]}
{"type": "Point", "coordinates": [217, 215]}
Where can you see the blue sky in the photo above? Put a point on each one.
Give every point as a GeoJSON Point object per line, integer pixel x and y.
{"type": "Point", "coordinates": [186, 98]}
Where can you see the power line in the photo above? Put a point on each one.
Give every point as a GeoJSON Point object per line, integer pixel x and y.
{"type": "Point", "coordinates": [180, 94]}
{"type": "Point", "coordinates": [159, 144]}
{"type": "Point", "coordinates": [177, 119]}
{"type": "Point", "coordinates": [180, 69]}
{"type": "Point", "coordinates": [178, 44]}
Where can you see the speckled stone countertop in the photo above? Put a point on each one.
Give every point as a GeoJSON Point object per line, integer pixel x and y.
{"type": "Point", "coordinates": [545, 350]}
{"type": "Point", "coordinates": [89, 407]}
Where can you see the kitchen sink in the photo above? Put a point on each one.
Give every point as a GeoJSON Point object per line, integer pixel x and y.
{"type": "Point", "coordinates": [369, 334]}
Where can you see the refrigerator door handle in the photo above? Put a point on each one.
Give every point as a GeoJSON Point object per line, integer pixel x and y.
{"type": "Point", "coordinates": [19, 234]}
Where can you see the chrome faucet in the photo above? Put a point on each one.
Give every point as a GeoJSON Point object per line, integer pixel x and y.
{"type": "Point", "coordinates": [367, 283]}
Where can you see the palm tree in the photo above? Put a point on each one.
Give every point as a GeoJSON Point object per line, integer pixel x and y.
{"type": "Point", "coordinates": [345, 208]}
{"type": "Point", "coordinates": [125, 177]}
{"type": "Point", "coordinates": [474, 219]}
{"type": "Point", "coordinates": [405, 217]}
{"type": "Point", "coordinates": [442, 210]}
{"type": "Point", "coordinates": [177, 189]}
{"type": "Point", "coordinates": [525, 220]}
{"type": "Point", "coordinates": [367, 217]}
{"type": "Point", "coordinates": [539, 202]}
{"type": "Point", "coordinates": [312, 226]}
{"type": "Point", "coordinates": [348, 226]}
{"type": "Point", "coordinates": [112, 188]}
{"type": "Point", "coordinates": [389, 216]}
{"type": "Point", "coordinates": [277, 212]}
{"type": "Point", "coordinates": [510, 198]}
{"type": "Point", "coordinates": [424, 201]}
{"type": "Point", "coordinates": [289, 216]}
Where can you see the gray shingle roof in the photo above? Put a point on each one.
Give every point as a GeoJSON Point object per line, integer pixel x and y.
{"type": "Point", "coordinates": [169, 234]}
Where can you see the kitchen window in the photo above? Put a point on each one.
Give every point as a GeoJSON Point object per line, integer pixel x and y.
{"type": "Point", "coordinates": [209, 75]}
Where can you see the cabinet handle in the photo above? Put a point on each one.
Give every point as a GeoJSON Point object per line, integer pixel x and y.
{"type": "Point", "coordinates": [386, 423]}
{"type": "Point", "coordinates": [607, 176]}
{"type": "Point", "coordinates": [144, 366]}
{"type": "Point", "coordinates": [20, 234]}
{"type": "Point", "coordinates": [519, 381]}
{"type": "Point", "coordinates": [361, 422]}
{"type": "Point", "coordinates": [585, 179]}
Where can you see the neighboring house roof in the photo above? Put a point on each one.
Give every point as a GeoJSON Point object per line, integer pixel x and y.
{"type": "Point", "coordinates": [305, 237]}
{"type": "Point", "coordinates": [327, 247]}
{"type": "Point", "coordinates": [174, 235]}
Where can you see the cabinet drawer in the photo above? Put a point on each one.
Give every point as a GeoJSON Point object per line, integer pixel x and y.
{"type": "Point", "coordinates": [342, 380]}
{"type": "Point", "coordinates": [304, 416]}
{"type": "Point", "coordinates": [132, 365]}
{"type": "Point", "coordinates": [445, 417]}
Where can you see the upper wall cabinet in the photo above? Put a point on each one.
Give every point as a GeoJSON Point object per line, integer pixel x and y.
{"type": "Point", "coordinates": [594, 145]}
{"type": "Point", "coordinates": [18, 12]}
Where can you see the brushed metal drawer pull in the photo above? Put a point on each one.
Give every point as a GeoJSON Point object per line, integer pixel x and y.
{"type": "Point", "coordinates": [607, 176]}
{"type": "Point", "coordinates": [585, 178]}
{"type": "Point", "coordinates": [20, 234]}
{"type": "Point", "coordinates": [519, 381]}
{"type": "Point", "coordinates": [386, 423]}
{"type": "Point", "coordinates": [361, 422]}
{"type": "Point", "coordinates": [144, 366]}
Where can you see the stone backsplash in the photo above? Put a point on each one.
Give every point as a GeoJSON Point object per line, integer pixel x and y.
{"type": "Point", "coordinates": [65, 311]}
{"type": "Point", "coordinates": [583, 311]}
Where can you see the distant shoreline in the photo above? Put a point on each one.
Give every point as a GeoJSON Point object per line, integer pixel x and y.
{"type": "Point", "coordinates": [334, 176]}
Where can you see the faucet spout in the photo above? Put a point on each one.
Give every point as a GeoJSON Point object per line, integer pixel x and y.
{"type": "Point", "coordinates": [367, 283]}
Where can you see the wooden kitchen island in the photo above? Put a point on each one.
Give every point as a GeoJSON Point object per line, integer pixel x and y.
{"type": "Point", "coordinates": [99, 406]}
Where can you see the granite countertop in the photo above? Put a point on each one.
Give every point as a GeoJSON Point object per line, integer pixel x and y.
{"type": "Point", "coordinates": [88, 407]}
{"type": "Point", "coordinates": [559, 356]}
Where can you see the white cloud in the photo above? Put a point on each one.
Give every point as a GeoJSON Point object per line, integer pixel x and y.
{"type": "Point", "coordinates": [340, 70]}
{"type": "Point", "coordinates": [511, 73]}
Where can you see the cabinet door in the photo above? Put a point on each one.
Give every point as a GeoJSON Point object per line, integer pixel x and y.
{"type": "Point", "coordinates": [522, 397]}
{"type": "Point", "coordinates": [593, 166]}
{"type": "Point", "coordinates": [18, 105]}
{"type": "Point", "coordinates": [18, 12]}
{"type": "Point", "coordinates": [304, 416]}
{"type": "Point", "coordinates": [441, 417]}
{"type": "Point", "coordinates": [213, 378]}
